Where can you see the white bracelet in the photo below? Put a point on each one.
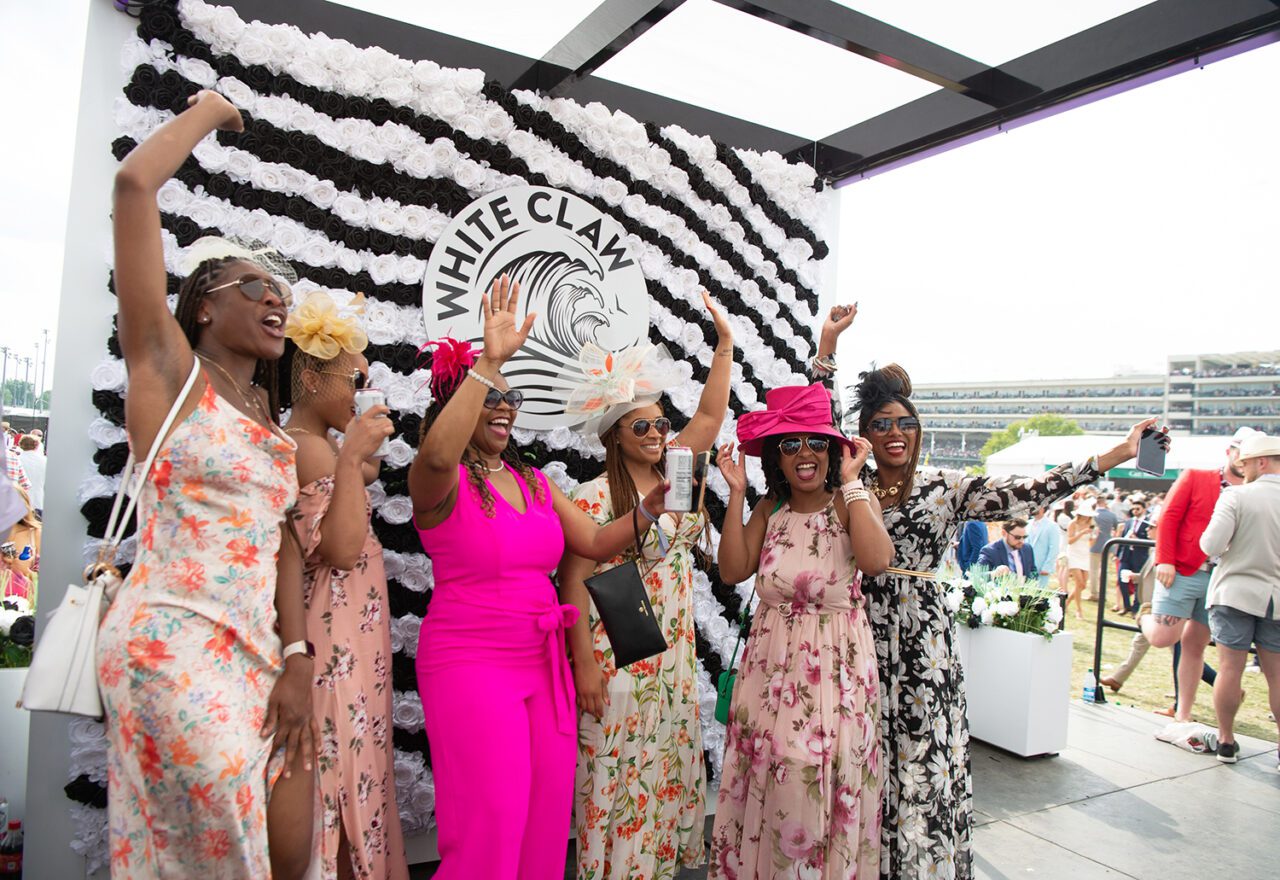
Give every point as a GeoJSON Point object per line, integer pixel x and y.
{"type": "Point", "coordinates": [481, 379]}
{"type": "Point", "coordinates": [299, 647]}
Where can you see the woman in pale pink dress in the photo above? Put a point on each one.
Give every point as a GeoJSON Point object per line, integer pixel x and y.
{"type": "Point", "coordinates": [346, 595]}
{"type": "Point", "coordinates": [800, 789]}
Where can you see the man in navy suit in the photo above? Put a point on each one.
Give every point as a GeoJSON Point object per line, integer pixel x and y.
{"type": "Point", "coordinates": [1011, 553]}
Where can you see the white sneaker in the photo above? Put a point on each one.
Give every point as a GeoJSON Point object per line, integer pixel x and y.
{"type": "Point", "coordinates": [1252, 668]}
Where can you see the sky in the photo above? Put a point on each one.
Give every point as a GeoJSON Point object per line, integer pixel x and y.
{"type": "Point", "coordinates": [1098, 241]}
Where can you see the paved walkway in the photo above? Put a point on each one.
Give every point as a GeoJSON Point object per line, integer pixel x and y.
{"type": "Point", "coordinates": [1118, 803]}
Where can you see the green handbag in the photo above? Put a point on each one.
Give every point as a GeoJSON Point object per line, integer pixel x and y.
{"type": "Point", "coordinates": [729, 677]}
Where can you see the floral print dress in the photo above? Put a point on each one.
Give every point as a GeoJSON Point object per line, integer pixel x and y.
{"type": "Point", "coordinates": [800, 790]}
{"type": "Point", "coordinates": [349, 623]}
{"type": "Point", "coordinates": [188, 653]}
{"type": "Point", "coordinates": [928, 793]}
{"type": "Point", "coordinates": [640, 789]}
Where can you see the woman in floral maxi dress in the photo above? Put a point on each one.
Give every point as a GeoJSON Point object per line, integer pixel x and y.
{"type": "Point", "coordinates": [346, 595]}
{"type": "Point", "coordinates": [800, 790]}
{"type": "Point", "coordinates": [928, 794]}
{"type": "Point", "coordinates": [640, 791]}
{"type": "Point", "coordinates": [203, 659]}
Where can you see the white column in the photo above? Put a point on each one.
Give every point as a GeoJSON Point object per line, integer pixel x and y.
{"type": "Point", "coordinates": [83, 326]}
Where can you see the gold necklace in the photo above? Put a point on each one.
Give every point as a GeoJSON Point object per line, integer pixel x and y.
{"type": "Point", "coordinates": [882, 493]}
{"type": "Point", "coordinates": [248, 400]}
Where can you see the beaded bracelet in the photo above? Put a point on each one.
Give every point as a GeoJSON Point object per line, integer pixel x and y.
{"type": "Point", "coordinates": [851, 495]}
{"type": "Point", "coordinates": [481, 379]}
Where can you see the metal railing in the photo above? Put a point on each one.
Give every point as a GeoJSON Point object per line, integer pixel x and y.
{"type": "Point", "coordinates": [1103, 623]}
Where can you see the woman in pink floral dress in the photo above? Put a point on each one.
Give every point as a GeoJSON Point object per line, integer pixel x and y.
{"type": "Point", "coordinates": [205, 668]}
{"type": "Point", "coordinates": [800, 790]}
{"type": "Point", "coordinates": [346, 594]}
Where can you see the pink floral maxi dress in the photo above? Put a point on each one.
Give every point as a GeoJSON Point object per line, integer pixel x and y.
{"type": "Point", "coordinates": [640, 793]}
{"type": "Point", "coordinates": [188, 653]}
{"type": "Point", "coordinates": [349, 623]}
{"type": "Point", "coordinates": [800, 790]}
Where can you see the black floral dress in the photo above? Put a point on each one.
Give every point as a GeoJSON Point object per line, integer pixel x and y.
{"type": "Point", "coordinates": [928, 795]}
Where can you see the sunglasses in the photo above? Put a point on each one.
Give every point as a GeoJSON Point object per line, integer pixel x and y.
{"type": "Point", "coordinates": [514, 398]}
{"type": "Point", "coordinates": [791, 445]}
{"type": "Point", "coordinates": [640, 427]}
{"type": "Point", "coordinates": [1018, 537]}
{"type": "Point", "coordinates": [906, 424]}
{"type": "Point", "coordinates": [357, 378]}
{"type": "Point", "coordinates": [255, 287]}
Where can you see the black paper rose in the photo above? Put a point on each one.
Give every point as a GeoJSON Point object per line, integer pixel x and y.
{"type": "Point", "coordinates": [111, 405]}
{"type": "Point", "coordinates": [22, 632]}
{"type": "Point", "coordinates": [220, 185]}
{"type": "Point", "coordinates": [110, 461]}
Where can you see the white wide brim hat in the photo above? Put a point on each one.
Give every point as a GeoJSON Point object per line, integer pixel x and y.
{"type": "Point", "coordinates": [1259, 445]}
{"type": "Point", "coordinates": [614, 384]}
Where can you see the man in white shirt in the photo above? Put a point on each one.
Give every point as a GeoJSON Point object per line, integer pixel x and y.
{"type": "Point", "coordinates": [1244, 593]}
{"type": "Point", "coordinates": [33, 462]}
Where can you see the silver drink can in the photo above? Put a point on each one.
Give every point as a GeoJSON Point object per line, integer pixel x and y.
{"type": "Point", "coordinates": [367, 399]}
{"type": "Point", "coordinates": [679, 497]}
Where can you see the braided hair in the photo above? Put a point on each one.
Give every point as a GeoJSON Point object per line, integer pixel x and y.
{"type": "Point", "coordinates": [877, 388]}
{"type": "Point", "coordinates": [476, 473]}
{"type": "Point", "coordinates": [187, 313]}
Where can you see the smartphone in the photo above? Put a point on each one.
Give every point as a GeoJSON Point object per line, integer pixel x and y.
{"type": "Point", "coordinates": [701, 464]}
{"type": "Point", "coordinates": [1151, 451]}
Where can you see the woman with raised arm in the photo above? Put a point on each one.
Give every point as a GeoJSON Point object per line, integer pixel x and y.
{"type": "Point", "coordinates": [203, 656]}
{"type": "Point", "coordinates": [640, 795]}
{"type": "Point", "coordinates": [346, 592]}
{"type": "Point", "coordinates": [497, 692]}
{"type": "Point", "coordinates": [928, 797]}
{"type": "Point", "coordinates": [800, 788]}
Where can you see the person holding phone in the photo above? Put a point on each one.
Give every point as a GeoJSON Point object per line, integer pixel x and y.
{"type": "Point", "coordinates": [640, 797]}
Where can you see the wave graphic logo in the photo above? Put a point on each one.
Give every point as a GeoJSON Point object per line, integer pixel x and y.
{"type": "Point", "coordinates": [575, 272]}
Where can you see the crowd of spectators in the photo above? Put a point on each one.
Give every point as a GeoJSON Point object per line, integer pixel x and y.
{"type": "Point", "coordinates": [983, 394]}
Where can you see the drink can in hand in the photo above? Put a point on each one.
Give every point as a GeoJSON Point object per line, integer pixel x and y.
{"type": "Point", "coordinates": [367, 399]}
{"type": "Point", "coordinates": [679, 496]}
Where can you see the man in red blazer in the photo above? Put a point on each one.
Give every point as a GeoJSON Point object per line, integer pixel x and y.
{"type": "Point", "coordinates": [1178, 614]}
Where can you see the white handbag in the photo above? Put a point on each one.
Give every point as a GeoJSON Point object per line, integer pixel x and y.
{"type": "Point", "coordinates": [64, 668]}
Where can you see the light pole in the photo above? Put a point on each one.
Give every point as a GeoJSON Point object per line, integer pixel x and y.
{"type": "Point", "coordinates": [44, 365]}
{"type": "Point", "coordinates": [4, 371]}
{"type": "Point", "coordinates": [26, 380]}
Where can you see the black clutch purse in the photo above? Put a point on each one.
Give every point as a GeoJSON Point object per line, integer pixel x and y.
{"type": "Point", "coordinates": [622, 604]}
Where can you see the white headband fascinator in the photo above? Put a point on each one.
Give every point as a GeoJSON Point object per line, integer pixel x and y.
{"type": "Point", "coordinates": [213, 247]}
{"type": "Point", "coordinates": [614, 384]}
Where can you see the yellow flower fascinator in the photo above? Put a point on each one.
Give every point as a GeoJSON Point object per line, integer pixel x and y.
{"type": "Point", "coordinates": [319, 329]}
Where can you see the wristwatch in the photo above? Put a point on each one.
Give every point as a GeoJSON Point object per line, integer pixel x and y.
{"type": "Point", "coordinates": [300, 647]}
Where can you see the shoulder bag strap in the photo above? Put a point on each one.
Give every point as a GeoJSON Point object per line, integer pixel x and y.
{"type": "Point", "coordinates": [117, 523]}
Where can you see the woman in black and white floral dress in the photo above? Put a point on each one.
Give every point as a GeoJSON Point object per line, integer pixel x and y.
{"type": "Point", "coordinates": [928, 795]}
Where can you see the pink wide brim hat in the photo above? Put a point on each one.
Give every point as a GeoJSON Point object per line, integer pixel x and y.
{"type": "Point", "coordinates": [794, 409]}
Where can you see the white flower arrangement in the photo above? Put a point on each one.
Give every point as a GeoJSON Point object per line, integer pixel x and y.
{"type": "Point", "coordinates": [1004, 601]}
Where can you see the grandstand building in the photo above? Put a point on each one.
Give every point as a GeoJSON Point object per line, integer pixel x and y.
{"type": "Point", "coordinates": [1197, 394]}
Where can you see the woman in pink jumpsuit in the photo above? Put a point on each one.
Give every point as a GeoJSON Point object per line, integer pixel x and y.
{"type": "Point", "coordinates": [497, 692]}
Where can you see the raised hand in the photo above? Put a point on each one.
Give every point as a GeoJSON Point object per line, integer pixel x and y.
{"type": "Point", "coordinates": [229, 118]}
{"type": "Point", "coordinates": [735, 472]}
{"type": "Point", "coordinates": [851, 461]}
{"type": "Point", "coordinates": [502, 338]}
{"type": "Point", "coordinates": [724, 333]}
{"type": "Point", "coordinates": [1135, 434]}
{"type": "Point", "coordinates": [839, 320]}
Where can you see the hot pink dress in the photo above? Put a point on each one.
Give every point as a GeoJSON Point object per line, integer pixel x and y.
{"type": "Point", "coordinates": [497, 693]}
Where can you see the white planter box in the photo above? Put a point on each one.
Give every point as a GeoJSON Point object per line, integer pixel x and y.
{"type": "Point", "coordinates": [13, 742]}
{"type": "Point", "coordinates": [1018, 688]}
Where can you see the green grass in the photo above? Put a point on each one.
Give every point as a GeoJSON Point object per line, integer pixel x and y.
{"type": "Point", "coordinates": [1151, 685]}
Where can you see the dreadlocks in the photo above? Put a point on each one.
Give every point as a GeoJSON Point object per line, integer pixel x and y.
{"type": "Point", "coordinates": [265, 374]}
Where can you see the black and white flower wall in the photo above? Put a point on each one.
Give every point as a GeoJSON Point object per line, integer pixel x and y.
{"type": "Point", "coordinates": [352, 163]}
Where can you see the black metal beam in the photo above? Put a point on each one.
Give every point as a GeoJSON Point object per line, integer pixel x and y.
{"type": "Point", "coordinates": [1126, 48]}
{"type": "Point", "coordinates": [611, 27]}
{"type": "Point", "coordinates": [417, 43]}
{"type": "Point", "coordinates": [885, 44]}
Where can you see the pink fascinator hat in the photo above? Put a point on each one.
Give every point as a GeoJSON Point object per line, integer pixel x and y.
{"type": "Point", "coordinates": [794, 409]}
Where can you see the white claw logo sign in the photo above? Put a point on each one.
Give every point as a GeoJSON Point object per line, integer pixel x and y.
{"type": "Point", "coordinates": [575, 273]}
